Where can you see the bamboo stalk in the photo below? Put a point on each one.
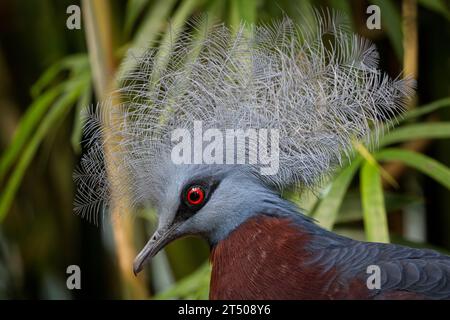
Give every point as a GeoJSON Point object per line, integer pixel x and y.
{"type": "Point", "coordinates": [410, 41]}
{"type": "Point", "coordinates": [99, 35]}
{"type": "Point", "coordinates": [410, 68]}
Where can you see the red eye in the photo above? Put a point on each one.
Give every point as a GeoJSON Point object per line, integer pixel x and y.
{"type": "Point", "coordinates": [195, 195]}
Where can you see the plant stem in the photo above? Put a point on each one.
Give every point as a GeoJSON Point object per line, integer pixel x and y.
{"type": "Point", "coordinates": [97, 17]}
{"type": "Point", "coordinates": [410, 68]}
{"type": "Point", "coordinates": [410, 41]}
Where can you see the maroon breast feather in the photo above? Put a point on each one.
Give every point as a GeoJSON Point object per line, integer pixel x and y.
{"type": "Point", "coordinates": [268, 258]}
{"type": "Point", "coordinates": [263, 259]}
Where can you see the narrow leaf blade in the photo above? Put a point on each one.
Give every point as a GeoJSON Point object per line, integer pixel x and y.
{"type": "Point", "coordinates": [57, 111]}
{"type": "Point", "coordinates": [432, 130]}
{"type": "Point", "coordinates": [423, 163]}
{"type": "Point", "coordinates": [27, 124]}
{"type": "Point", "coordinates": [374, 213]}
{"type": "Point", "coordinates": [328, 208]}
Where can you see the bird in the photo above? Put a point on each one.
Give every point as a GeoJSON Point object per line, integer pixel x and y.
{"type": "Point", "coordinates": [306, 91]}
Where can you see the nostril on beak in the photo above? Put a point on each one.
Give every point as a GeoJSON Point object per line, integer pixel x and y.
{"type": "Point", "coordinates": [155, 237]}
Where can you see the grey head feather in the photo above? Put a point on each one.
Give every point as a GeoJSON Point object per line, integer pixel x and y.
{"type": "Point", "coordinates": [317, 83]}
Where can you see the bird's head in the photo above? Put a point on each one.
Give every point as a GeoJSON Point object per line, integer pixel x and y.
{"type": "Point", "coordinates": [203, 200]}
{"type": "Point", "coordinates": [317, 84]}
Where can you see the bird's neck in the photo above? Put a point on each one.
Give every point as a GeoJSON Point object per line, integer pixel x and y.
{"type": "Point", "coordinates": [264, 258]}
{"type": "Point", "coordinates": [262, 202]}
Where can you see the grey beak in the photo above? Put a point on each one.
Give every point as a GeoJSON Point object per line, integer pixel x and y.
{"type": "Point", "coordinates": [159, 240]}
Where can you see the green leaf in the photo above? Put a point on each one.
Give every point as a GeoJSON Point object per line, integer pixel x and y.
{"type": "Point", "coordinates": [425, 109]}
{"type": "Point", "coordinates": [432, 130]}
{"type": "Point", "coordinates": [58, 109]}
{"type": "Point", "coordinates": [47, 77]}
{"type": "Point", "coordinates": [77, 131]}
{"type": "Point", "coordinates": [305, 13]}
{"type": "Point", "coordinates": [152, 23]}
{"type": "Point", "coordinates": [425, 164]}
{"type": "Point", "coordinates": [368, 157]}
{"type": "Point", "coordinates": [328, 208]}
{"type": "Point", "coordinates": [76, 63]}
{"type": "Point", "coordinates": [179, 19]}
{"type": "Point", "coordinates": [147, 34]}
{"type": "Point", "coordinates": [438, 6]}
{"type": "Point", "coordinates": [344, 6]}
{"type": "Point", "coordinates": [134, 9]}
{"type": "Point", "coordinates": [374, 213]}
{"type": "Point", "coordinates": [242, 11]}
{"type": "Point", "coordinates": [202, 28]}
{"type": "Point", "coordinates": [351, 208]}
{"type": "Point", "coordinates": [195, 285]}
{"type": "Point", "coordinates": [392, 24]}
{"type": "Point", "coordinates": [27, 124]}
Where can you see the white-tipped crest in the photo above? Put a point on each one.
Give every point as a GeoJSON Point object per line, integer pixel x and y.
{"type": "Point", "coordinates": [317, 84]}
